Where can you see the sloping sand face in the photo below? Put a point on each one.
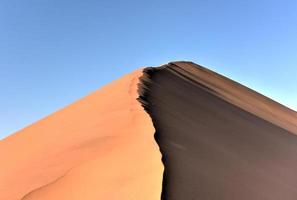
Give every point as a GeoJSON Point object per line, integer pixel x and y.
{"type": "Point", "coordinates": [101, 147]}
{"type": "Point", "coordinates": [219, 140]}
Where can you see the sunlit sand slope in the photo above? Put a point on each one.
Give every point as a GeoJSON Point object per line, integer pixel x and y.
{"type": "Point", "coordinates": [100, 147]}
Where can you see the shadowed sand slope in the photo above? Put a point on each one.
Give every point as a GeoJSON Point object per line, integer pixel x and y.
{"type": "Point", "coordinates": [219, 139]}
{"type": "Point", "coordinates": [101, 147]}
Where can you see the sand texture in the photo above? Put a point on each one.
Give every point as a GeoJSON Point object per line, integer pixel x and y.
{"type": "Point", "coordinates": [100, 147]}
{"type": "Point", "coordinates": [174, 132]}
{"type": "Point", "coordinates": [219, 139]}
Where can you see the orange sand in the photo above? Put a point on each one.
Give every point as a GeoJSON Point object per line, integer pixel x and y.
{"type": "Point", "coordinates": [100, 147]}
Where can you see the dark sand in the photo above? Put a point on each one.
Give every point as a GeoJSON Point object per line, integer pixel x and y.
{"type": "Point", "coordinates": [219, 140]}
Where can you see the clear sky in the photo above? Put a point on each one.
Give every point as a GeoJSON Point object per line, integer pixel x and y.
{"type": "Point", "coordinates": [53, 52]}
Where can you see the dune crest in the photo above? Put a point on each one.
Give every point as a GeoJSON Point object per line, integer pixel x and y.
{"type": "Point", "coordinates": [219, 140]}
{"type": "Point", "coordinates": [100, 147]}
{"type": "Point", "coordinates": [174, 132]}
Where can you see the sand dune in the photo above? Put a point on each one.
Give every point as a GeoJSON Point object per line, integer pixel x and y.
{"type": "Point", "coordinates": [100, 147]}
{"type": "Point", "coordinates": [217, 140]}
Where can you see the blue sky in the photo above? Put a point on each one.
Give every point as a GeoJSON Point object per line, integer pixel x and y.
{"type": "Point", "coordinates": [53, 52]}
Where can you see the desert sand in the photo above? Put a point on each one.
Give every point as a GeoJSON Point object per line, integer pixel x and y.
{"type": "Point", "coordinates": [174, 132]}
{"type": "Point", "coordinates": [100, 147]}
{"type": "Point", "coordinates": [219, 139]}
